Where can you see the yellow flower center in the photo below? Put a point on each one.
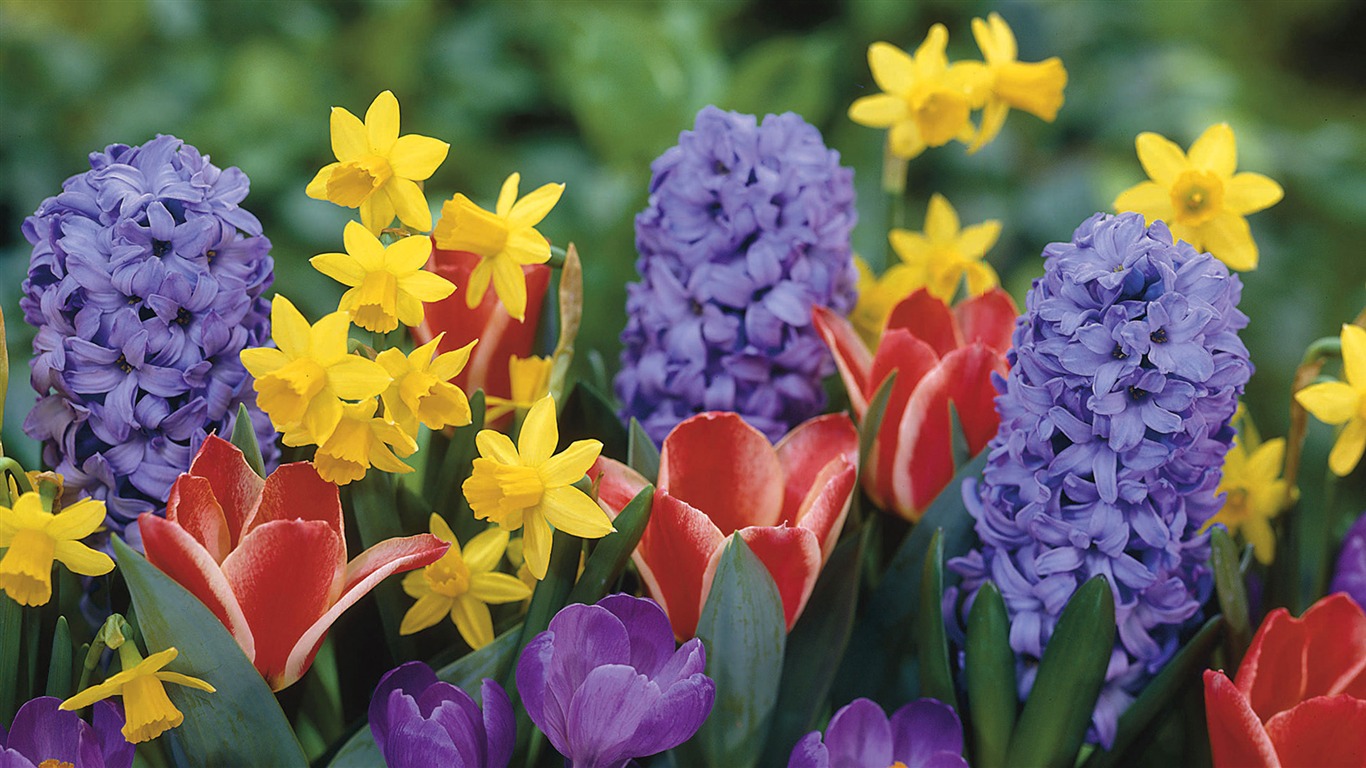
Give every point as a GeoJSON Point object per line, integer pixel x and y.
{"type": "Point", "coordinates": [148, 710]}
{"type": "Point", "coordinates": [898, 764]}
{"type": "Point", "coordinates": [1236, 506]}
{"type": "Point", "coordinates": [501, 492]}
{"type": "Point", "coordinates": [521, 486]}
{"type": "Point", "coordinates": [286, 393]}
{"type": "Point", "coordinates": [1197, 196]}
{"type": "Point", "coordinates": [351, 183]}
{"type": "Point", "coordinates": [448, 577]}
{"type": "Point", "coordinates": [26, 568]}
{"type": "Point", "coordinates": [376, 302]}
{"type": "Point", "coordinates": [940, 114]}
{"type": "Point", "coordinates": [55, 763]}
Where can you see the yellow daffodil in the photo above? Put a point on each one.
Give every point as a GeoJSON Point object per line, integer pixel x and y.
{"type": "Point", "coordinates": [503, 240]}
{"type": "Point", "coordinates": [525, 485]}
{"type": "Point", "coordinates": [388, 284]}
{"type": "Point", "coordinates": [1255, 493]}
{"type": "Point", "coordinates": [925, 102]}
{"type": "Point", "coordinates": [1339, 402]}
{"type": "Point", "coordinates": [421, 389]}
{"type": "Point", "coordinates": [360, 441]}
{"type": "Point", "coordinates": [877, 296]}
{"type": "Point", "coordinates": [301, 384]}
{"type": "Point", "coordinates": [377, 170]}
{"type": "Point", "coordinates": [944, 254]}
{"type": "Point", "coordinates": [1199, 196]}
{"type": "Point", "coordinates": [1033, 87]}
{"type": "Point", "coordinates": [33, 538]}
{"type": "Point", "coordinates": [462, 585]}
{"type": "Point", "coordinates": [148, 712]}
{"type": "Point", "coordinates": [530, 377]}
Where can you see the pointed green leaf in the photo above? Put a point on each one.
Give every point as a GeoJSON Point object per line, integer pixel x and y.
{"type": "Point", "coordinates": [936, 678]}
{"type": "Point", "coordinates": [11, 625]}
{"type": "Point", "coordinates": [587, 413]}
{"type": "Point", "coordinates": [641, 454]}
{"type": "Point", "coordinates": [60, 662]}
{"type": "Point", "coordinates": [1232, 592]}
{"type": "Point", "coordinates": [240, 724]}
{"type": "Point", "coordinates": [614, 550]}
{"type": "Point", "coordinates": [244, 437]}
{"type": "Point", "coordinates": [1057, 713]}
{"type": "Point", "coordinates": [872, 423]}
{"type": "Point", "coordinates": [990, 667]}
{"type": "Point", "coordinates": [744, 632]}
{"type": "Point", "coordinates": [373, 503]}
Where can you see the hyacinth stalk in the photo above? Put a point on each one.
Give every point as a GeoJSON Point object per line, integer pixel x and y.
{"type": "Point", "coordinates": [145, 283]}
{"type": "Point", "coordinates": [746, 230]}
{"type": "Point", "coordinates": [1125, 373]}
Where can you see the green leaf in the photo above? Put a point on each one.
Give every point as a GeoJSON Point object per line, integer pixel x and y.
{"type": "Point", "coordinates": [990, 668]}
{"type": "Point", "coordinates": [744, 632]}
{"type": "Point", "coordinates": [819, 638]}
{"type": "Point", "coordinates": [936, 678]}
{"type": "Point", "coordinates": [641, 453]}
{"type": "Point", "coordinates": [11, 624]}
{"type": "Point", "coordinates": [60, 663]}
{"type": "Point", "coordinates": [1057, 713]}
{"type": "Point", "coordinates": [244, 437]}
{"type": "Point", "coordinates": [587, 413]}
{"type": "Point", "coordinates": [1161, 694]}
{"type": "Point", "coordinates": [374, 505]}
{"type": "Point", "coordinates": [872, 423]}
{"type": "Point", "coordinates": [1232, 592]}
{"type": "Point", "coordinates": [240, 724]}
{"type": "Point", "coordinates": [614, 550]}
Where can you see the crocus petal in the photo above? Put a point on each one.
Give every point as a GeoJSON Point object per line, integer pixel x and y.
{"type": "Point", "coordinates": [1236, 735]}
{"type": "Point", "coordinates": [500, 725]}
{"type": "Point", "coordinates": [806, 450]}
{"type": "Point", "coordinates": [852, 358]}
{"type": "Point", "coordinates": [673, 557]}
{"type": "Point", "coordinates": [724, 467]}
{"type": "Point", "coordinates": [929, 319]}
{"type": "Point", "coordinates": [988, 319]}
{"type": "Point", "coordinates": [652, 641]}
{"type": "Point", "coordinates": [175, 552]}
{"type": "Point", "coordinates": [792, 557]}
{"type": "Point", "coordinates": [193, 507]}
{"type": "Point", "coordinates": [809, 752]}
{"type": "Point", "coordinates": [47, 733]}
{"type": "Point", "coordinates": [1321, 731]}
{"type": "Point", "coordinates": [923, 728]}
{"type": "Point", "coordinates": [605, 712]}
{"type": "Point", "coordinates": [235, 485]}
{"type": "Point", "coordinates": [858, 734]}
{"type": "Point", "coordinates": [533, 672]}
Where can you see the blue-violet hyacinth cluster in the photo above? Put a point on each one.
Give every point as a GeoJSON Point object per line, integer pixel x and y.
{"type": "Point", "coordinates": [144, 285]}
{"type": "Point", "coordinates": [1125, 372]}
{"type": "Point", "coordinates": [747, 227]}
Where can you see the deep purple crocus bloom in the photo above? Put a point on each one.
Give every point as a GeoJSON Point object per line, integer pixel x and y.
{"type": "Point", "coordinates": [420, 721]}
{"type": "Point", "coordinates": [1350, 576]}
{"type": "Point", "coordinates": [606, 684]}
{"type": "Point", "coordinates": [41, 732]}
{"type": "Point", "coordinates": [922, 734]}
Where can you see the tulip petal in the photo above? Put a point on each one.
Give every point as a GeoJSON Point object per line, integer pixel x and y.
{"type": "Point", "coordinates": [673, 556]}
{"type": "Point", "coordinates": [851, 356]}
{"type": "Point", "coordinates": [973, 394]}
{"type": "Point", "coordinates": [1318, 654]}
{"type": "Point", "coordinates": [912, 359]}
{"type": "Point", "coordinates": [823, 510]}
{"type": "Point", "coordinates": [793, 557]}
{"type": "Point", "coordinates": [192, 506]}
{"type": "Point", "coordinates": [235, 485]}
{"type": "Point", "coordinates": [808, 449]}
{"type": "Point", "coordinates": [929, 319]}
{"type": "Point", "coordinates": [297, 492]}
{"type": "Point", "coordinates": [722, 466]}
{"type": "Point", "coordinates": [922, 459]}
{"type": "Point", "coordinates": [1321, 731]}
{"type": "Point", "coordinates": [617, 484]}
{"type": "Point", "coordinates": [173, 550]}
{"type": "Point", "coordinates": [988, 319]}
{"type": "Point", "coordinates": [1236, 735]}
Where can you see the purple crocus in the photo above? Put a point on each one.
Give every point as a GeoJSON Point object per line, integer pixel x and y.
{"type": "Point", "coordinates": [42, 734]}
{"type": "Point", "coordinates": [1350, 576]}
{"type": "Point", "coordinates": [1125, 371]}
{"type": "Point", "coordinates": [922, 734]}
{"type": "Point", "coordinates": [746, 229]}
{"type": "Point", "coordinates": [420, 721]}
{"type": "Point", "coordinates": [606, 684]}
{"type": "Point", "coordinates": [144, 284]}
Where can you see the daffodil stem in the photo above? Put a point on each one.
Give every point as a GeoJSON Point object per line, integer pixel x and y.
{"type": "Point", "coordinates": [557, 255]}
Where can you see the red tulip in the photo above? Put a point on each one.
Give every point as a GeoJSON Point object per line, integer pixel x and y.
{"type": "Point", "coordinates": [940, 356]}
{"type": "Point", "coordinates": [719, 476]}
{"type": "Point", "coordinates": [268, 557]}
{"type": "Point", "coordinates": [1300, 694]}
{"type": "Point", "coordinates": [500, 337]}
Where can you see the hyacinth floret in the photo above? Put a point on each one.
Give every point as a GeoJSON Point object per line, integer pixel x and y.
{"type": "Point", "coordinates": [145, 282]}
{"type": "Point", "coordinates": [1125, 372]}
{"type": "Point", "coordinates": [746, 228]}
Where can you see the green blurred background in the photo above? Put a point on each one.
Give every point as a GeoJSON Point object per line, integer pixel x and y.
{"type": "Point", "coordinates": [589, 93]}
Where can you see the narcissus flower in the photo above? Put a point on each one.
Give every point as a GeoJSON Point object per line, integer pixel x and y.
{"type": "Point", "coordinates": [941, 357]}
{"type": "Point", "coordinates": [268, 557]}
{"type": "Point", "coordinates": [1034, 87]}
{"type": "Point", "coordinates": [360, 441]}
{"type": "Point", "coordinates": [301, 384]}
{"type": "Point", "coordinates": [530, 378]}
{"type": "Point", "coordinates": [462, 585]}
{"type": "Point", "coordinates": [388, 283]}
{"type": "Point", "coordinates": [719, 476]}
{"type": "Point", "coordinates": [1343, 402]}
{"type": "Point", "coordinates": [944, 253]}
{"type": "Point", "coordinates": [148, 710]}
{"type": "Point", "coordinates": [505, 240]}
{"type": "Point", "coordinates": [45, 736]}
{"type": "Point", "coordinates": [926, 102]}
{"type": "Point", "coordinates": [529, 485]}
{"type": "Point", "coordinates": [922, 734]}
{"type": "Point", "coordinates": [419, 721]}
{"type": "Point", "coordinates": [33, 538]}
{"type": "Point", "coordinates": [1300, 694]}
{"type": "Point", "coordinates": [421, 389]}
{"type": "Point", "coordinates": [1199, 196]}
{"type": "Point", "coordinates": [377, 170]}
{"type": "Point", "coordinates": [1254, 494]}
{"type": "Point", "coordinates": [877, 295]}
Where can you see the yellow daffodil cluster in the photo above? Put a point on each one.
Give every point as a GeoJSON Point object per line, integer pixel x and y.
{"type": "Point", "coordinates": [928, 102]}
{"type": "Point", "coordinates": [33, 537]}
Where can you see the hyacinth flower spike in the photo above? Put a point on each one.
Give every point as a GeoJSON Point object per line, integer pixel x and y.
{"type": "Point", "coordinates": [148, 710]}
{"type": "Point", "coordinates": [268, 557]}
{"type": "Point", "coordinates": [33, 538]}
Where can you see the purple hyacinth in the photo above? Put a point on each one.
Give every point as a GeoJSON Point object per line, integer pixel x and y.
{"type": "Point", "coordinates": [606, 684]}
{"type": "Point", "coordinates": [921, 734]}
{"type": "Point", "coordinates": [1125, 371]}
{"type": "Point", "coordinates": [1350, 576]}
{"type": "Point", "coordinates": [144, 285]}
{"type": "Point", "coordinates": [746, 229]}
{"type": "Point", "coordinates": [420, 721]}
{"type": "Point", "coordinates": [42, 734]}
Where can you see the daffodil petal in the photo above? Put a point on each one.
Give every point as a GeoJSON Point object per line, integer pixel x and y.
{"type": "Point", "coordinates": [892, 68]}
{"type": "Point", "coordinates": [941, 220]}
{"type": "Point", "coordinates": [497, 446]}
{"type": "Point", "coordinates": [348, 136]}
{"type": "Point", "coordinates": [484, 551]}
{"type": "Point", "coordinates": [428, 611]}
{"type": "Point", "coordinates": [571, 464]}
{"type": "Point", "coordinates": [1161, 158]}
{"type": "Point", "coordinates": [536, 538]}
{"type": "Point", "coordinates": [1251, 192]}
{"type": "Point", "coordinates": [1216, 150]}
{"type": "Point", "coordinates": [879, 110]}
{"type": "Point", "coordinates": [530, 210]}
{"type": "Point", "coordinates": [317, 188]}
{"type": "Point", "coordinates": [78, 558]}
{"type": "Point", "coordinates": [355, 378]}
{"type": "Point", "coordinates": [1228, 237]}
{"type": "Point", "coordinates": [410, 205]}
{"type": "Point", "coordinates": [110, 687]}
{"type": "Point", "coordinates": [185, 680]}
{"type": "Point", "coordinates": [472, 618]}
{"type": "Point", "coordinates": [507, 195]}
{"type": "Point", "coordinates": [288, 328]}
{"type": "Point", "coordinates": [993, 119]}
{"type": "Point", "coordinates": [905, 140]}
{"type": "Point", "coordinates": [341, 267]}
{"type": "Point", "coordinates": [1331, 402]}
{"type": "Point", "coordinates": [415, 584]}
{"type": "Point", "coordinates": [426, 287]}
{"type": "Point", "coordinates": [479, 283]}
{"type": "Point", "coordinates": [408, 255]}
{"type": "Point", "coordinates": [571, 511]}
{"type": "Point", "coordinates": [381, 123]}
{"type": "Point", "coordinates": [417, 157]}
{"type": "Point", "coordinates": [929, 57]}
{"type": "Point", "coordinates": [261, 361]}
{"type": "Point", "coordinates": [976, 240]}
{"type": "Point", "coordinates": [1354, 355]}
{"type": "Point", "coordinates": [540, 433]}
{"type": "Point", "coordinates": [510, 285]}
{"type": "Point", "coordinates": [1348, 448]}
{"type": "Point", "coordinates": [77, 521]}
{"type": "Point", "coordinates": [1258, 533]}
{"type": "Point", "coordinates": [377, 211]}
{"type": "Point", "coordinates": [327, 338]}
{"type": "Point", "coordinates": [498, 588]}
{"type": "Point", "coordinates": [1149, 198]}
